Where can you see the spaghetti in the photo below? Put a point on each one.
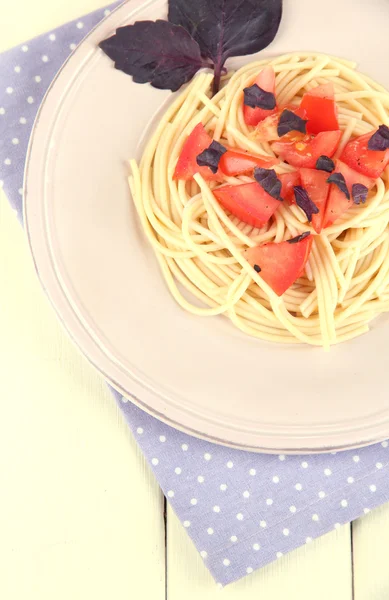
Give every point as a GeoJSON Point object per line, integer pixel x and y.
{"type": "Point", "coordinates": [200, 247]}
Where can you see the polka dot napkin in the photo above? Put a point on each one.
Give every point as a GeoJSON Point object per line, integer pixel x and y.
{"type": "Point", "coordinates": [242, 510]}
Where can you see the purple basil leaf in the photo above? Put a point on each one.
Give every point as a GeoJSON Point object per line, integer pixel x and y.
{"type": "Point", "coordinates": [325, 163]}
{"type": "Point", "coordinates": [257, 268]}
{"type": "Point", "coordinates": [225, 28]}
{"type": "Point", "coordinates": [157, 52]}
{"type": "Point", "coordinates": [289, 121]}
{"type": "Point", "coordinates": [304, 202]}
{"type": "Point", "coordinates": [299, 238]}
{"type": "Point", "coordinates": [380, 139]}
{"type": "Point", "coordinates": [339, 180]}
{"type": "Point", "coordinates": [210, 157]}
{"type": "Point", "coordinates": [256, 97]}
{"type": "Point", "coordinates": [359, 193]}
{"type": "Point", "coordinates": [268, 180]}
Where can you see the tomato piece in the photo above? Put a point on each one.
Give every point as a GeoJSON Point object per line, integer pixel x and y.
{"type": "Point", "coordinates": [280, 263]}
{"type": "Point", "coordinates": [368, 162]}
{"type": "Point", "coordinates": [186, 165]}
{"type": "Point", "coordinates": [267, 129]}
{"type": "Point", "coordinates": [238, 162]}
{"type": "Point", "coordinates": [266, 80]}
{"type": "Point", "coordinates": [315, 183]}
{"type": "Point", "coordinates": [320, 109]}
{"type": "Point", "coordinates": [288, 181]}
{"type": "Point", "coordinates": [337, 202]}
{"type": "Point", "coordinates": [248, 201]}
{"type": "Point", "coordinates": [305, 151]}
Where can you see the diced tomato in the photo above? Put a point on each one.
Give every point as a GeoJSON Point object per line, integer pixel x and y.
{"type": "Point", "coordinates": [280, 264]}
{"type": "Point", "coordinates": [288, 181]}
{"type": "Point", "coordinates": [337, 202]}
{"type": "Point", "coordinates": [305, 152]}
{"type": "Point", "coordinates": [186, 165]}
{"type": "Point", "coordinates": [368, 162]}
{"type": "Point", "coordinates": [248, 201]}
{"type": "Point", "coordinates": [315, 183]}
{"type": "Point", "coordinates": [237, 162]}
{"type": "Point", "coordinates": [266, 80]}
{"type": "Point", "coordinates": [320, 109]}
{"type": "Point", "coordinates": [267, 129]}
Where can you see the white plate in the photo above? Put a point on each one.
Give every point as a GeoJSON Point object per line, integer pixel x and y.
{"type": "Point", "coordinates": [198, 374]}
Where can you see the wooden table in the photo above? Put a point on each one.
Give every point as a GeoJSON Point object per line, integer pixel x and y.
{"type": "Point", "coordinates": [82, 516]}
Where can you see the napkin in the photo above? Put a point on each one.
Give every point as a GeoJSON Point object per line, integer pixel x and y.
{"type": "Point", "coordinates": [241, 509]}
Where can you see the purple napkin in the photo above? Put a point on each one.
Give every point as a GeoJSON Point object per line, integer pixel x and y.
{"type": "Point", "coordinates": [241, 509]}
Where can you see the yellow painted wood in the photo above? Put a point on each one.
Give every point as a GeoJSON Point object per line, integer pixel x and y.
{"type": "Point", "coordinates": [370, 552]}
{"type": "Point", "coordinates": [81, 515]}
{"type": "Point", "coordinates": [320, 570]}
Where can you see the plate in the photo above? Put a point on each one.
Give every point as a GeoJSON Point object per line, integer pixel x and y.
{"type": "Point", "coordinates": [197, 374]}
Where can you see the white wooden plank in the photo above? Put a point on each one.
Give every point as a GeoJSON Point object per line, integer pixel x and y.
{"type": "Point", "coordinates": [370, 555]}
{"type": "Point", "coordinates": [81, 514]}
{"type": "Point", "coordinates": [319, 571]}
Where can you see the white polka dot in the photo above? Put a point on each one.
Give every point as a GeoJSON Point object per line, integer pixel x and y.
{"type": "Point", "coordinates": [24, 48]}
{"type": "Point", "coordinates": [322, 494]}
{"type": "Point", "coordinates": [45, 58]}
{"type": "Point", "coordinates": [72, 46]}
{"type": "Point", "coordinates": [203, 554]}
{"type": "Point", "coordinates": [139, 430]}
{"type": "Point", "coordinates": [337, 526]}
{"type": "Point", "coordinates": [269, 501]}
{"type": "Point", "coordinates": [20, 190]}
{"type": "Point", "coordinates": [279, 554]}
{"type": "Point", "coordinates": [226, 562]}
{"type": "Point", "coordinates": [2, 111]}
{"type": "Point", "coordinates": [246, 494]}
{"type": "Point", "coordinates": [315, 517]}
{"type": "Point", "coordinates": [343, 503]}
{"type": "Point", "coordinates": [249, 570]}
{"type": "Point", "coordinates": [186, 523]}
{"type": "Point", "coordinates": [216, 509]}
{"type": "Point", "coordinates": [384, 444]}
{"type": "Point", "coordinates": [223, 487]}
{"type": "Point", "coordinates": [210, 531]}
{"type": "Point", "coordinates": [207, 456]}
{"type": "Point", "coordinates": [356, 458]}
{"type": "Point", "coordinates": [239, 516]}
{"type": "Point", "coordinates": [304, 465]}
{"type": "Point", "coordinates": [80, 25]}
{"type": "Point", "coordinates": [124, 400]}
{"type": "Point", "coordinates": [298, 487]}
{"type": "Point", "coordinates": [219, 586]}
{"type": "Point", "coordinates": [281, 457]}
{"type": "Point", "coordinates": [350, 479]}
{"type": "Point", "coordinates": [30, 100]}
{"type": "Point", "coordinates": [366, 511]}
{"type": "Point", "coordinates": [285, 532]}
{"type": "Point", "coordinates": [22, 120]}
{"type": "Point", "coordinates": [38, 78]}
{"type": "Point", "coordinates": [276, 479]}
{"type": "Point", "coordinates": [184, 447]}
{"type": "Point", "coordinates": [252, 472]}
{"type": "Point", "coordinates": [162, 438]}
{"type": "Point", "coordinates": [154, 461]}
{"type": "Point", "coordinates": [17, 69]}
{"type": "Point", "coordinates": [230, 464]}
{"type": "Point", "coordinates": [233, 538]}
{"type": "Point", "coordinates": [52, 37]}
{"type": "Point", "coordinates": [193, 501]}
{"type": "Point", "coordinates": [333, 453]}
{"type": "Point", "coordinates": [256, 547]}
{"type": "Point", "coordinates": [7, 161]}
{"type": "Point", "coordinates": [262, 524]}
{"type": "Point", "coordinates": [292, 509]}
{"type": "Point", "coordinates": [378, 465]}
{"type": "Point", "coordinates": [372, 488]}
{"type": "Point", "coordinates": [308, 540]}
{"type": "Point", "coordinates": [9, 90]}
{"type": "Point", "coordinates": [15, 141]}
{"type": "Point", "coordinates": [327, 472]}
{"type": "Point", "coordinates": [177, 471]}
